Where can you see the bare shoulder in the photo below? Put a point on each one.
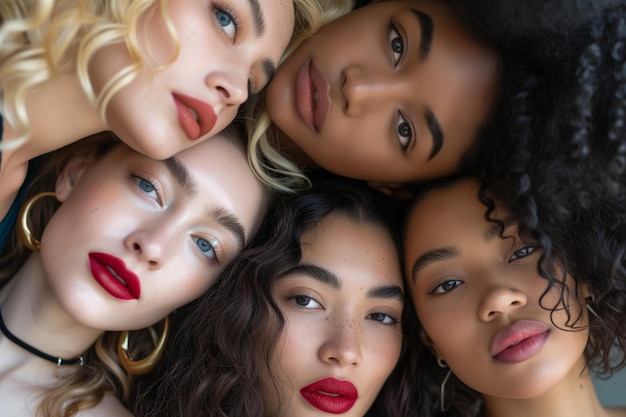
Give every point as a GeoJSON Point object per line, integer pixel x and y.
{"type": "Point", "coordinates": [110, 406]}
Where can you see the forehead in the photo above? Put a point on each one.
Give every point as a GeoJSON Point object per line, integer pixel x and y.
{"type": "Point", "coordinates": [354, 251]}
{"type": "Point", "coordinates": [446, 214]}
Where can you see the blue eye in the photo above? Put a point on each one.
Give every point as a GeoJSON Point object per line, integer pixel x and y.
{"type": "Point", "coordinates": [228, 22]}
{"type": "Point", "coordinates": [206, 247]}
{"type": "Point", "coordinates": [404, 132]}
{"type": "Point", "coordinates": [146, 185]}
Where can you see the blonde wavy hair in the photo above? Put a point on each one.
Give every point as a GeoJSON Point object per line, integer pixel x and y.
{"type": "Point", "coordinates": [270, 165]}
{"type": "Point", "coordinates": [40, 38]}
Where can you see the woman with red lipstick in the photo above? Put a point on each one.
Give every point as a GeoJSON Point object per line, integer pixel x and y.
{"type": "Point", "coordinates": [132, 240]}
{"type": "Point", "coordinates": [510, 326]}
{"type": "Point", "coordinates": [306, 322]}
{"type": "Point", "coordinates": [162, 75]}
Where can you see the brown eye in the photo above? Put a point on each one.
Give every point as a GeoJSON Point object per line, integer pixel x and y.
{"type": "Point", "coordinates": [396, 43]}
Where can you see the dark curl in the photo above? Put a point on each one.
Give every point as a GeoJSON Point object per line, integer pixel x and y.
{"type": "Point", "coordinates": [223, 342]}
{"type": "Point", "coordinates": [584, 248]}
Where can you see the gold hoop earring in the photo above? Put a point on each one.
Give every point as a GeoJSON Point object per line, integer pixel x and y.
{"type": "Point", "coordinates": [442, 389]}
{"type": "Point", "coordinates": [23, 231]}
{"type": "Point", "coordinates": [147, 364]}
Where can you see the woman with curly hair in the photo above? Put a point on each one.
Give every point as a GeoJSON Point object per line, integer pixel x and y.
{"type": "Point", "coordinates": [162, 75]}
{"type": "Point", "coordinates": [510, 325]}
{"type": "Point", "coordinates": [109, 259]}
{"type": "Point", "coordinates": [306, 322]}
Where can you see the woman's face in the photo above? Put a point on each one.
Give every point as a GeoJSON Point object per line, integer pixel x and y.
{"type": "Point", "coordinates": [478, 298]}
{"type": "Point", "coordinates": [393, 92]}
{"type": "Point", "coordinates": [342, 305]}
{"type": "Point", "coordinates": [152, 235]}
{"type": "Point", "coordinates": [227, 51]}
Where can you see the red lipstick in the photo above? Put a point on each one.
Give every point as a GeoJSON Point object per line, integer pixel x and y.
{"type": "Point", "coordinates": [312, 96]}
{"type": "Point", "coordinates": [196, 117]}
{"type": "Point", "coordinates": [111, 273]}
{"type": "Point", "coordinates": [519, 341]}
{"type": "Point", "coordinates": [331, 395]}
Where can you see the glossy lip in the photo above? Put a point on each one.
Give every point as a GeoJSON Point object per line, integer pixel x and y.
{"type": "Point", "coordinates": [519, 341]}
{"type": "Point", "coordinates": [109, 271]}
{"type": "Point", "coordinates": [187, 109]}
{"type": "Point", "coordinates": [312, 96]}
{"type": "Point", "coordinates": [331, 395]}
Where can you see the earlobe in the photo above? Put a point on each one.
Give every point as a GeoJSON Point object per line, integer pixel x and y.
{"type": "Point", "coordinates": [69, 177]}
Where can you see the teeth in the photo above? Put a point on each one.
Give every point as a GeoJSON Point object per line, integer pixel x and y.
{"type": "Point", "coordinates": [195, 115]}
{"type": "Point", "coordinates": [116, 276]}
{"type": "Point", "coordinates": [329, 394]}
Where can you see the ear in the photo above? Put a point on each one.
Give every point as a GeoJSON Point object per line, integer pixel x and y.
{"type": "Point", "coordinates": [398, 191]}
{"type": "Point", "coordinates": [69, 177]}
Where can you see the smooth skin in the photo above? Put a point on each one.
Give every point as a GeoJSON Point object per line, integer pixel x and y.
{"type": "Point", "coordinates": [224, 56]}
{"type": "Point", "coordinates": [344, 327]}
{"type": "Point", "coordinates": [396, 92]}
{"type": "Point", "coordinates": [176, 224]}
{"type": "Point", "coordinates": [468, 284]}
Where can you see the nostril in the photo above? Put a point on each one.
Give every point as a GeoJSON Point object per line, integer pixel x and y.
{"type": "Point", "coordinates": [223, 91]}
{"type": "Point", "coordinates": [136, 246]}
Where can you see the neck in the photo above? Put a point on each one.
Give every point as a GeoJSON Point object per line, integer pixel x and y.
{"type": "Point", "coordinates": [574, 396]}
{"type": "Point", "coordinates": [33, 313]}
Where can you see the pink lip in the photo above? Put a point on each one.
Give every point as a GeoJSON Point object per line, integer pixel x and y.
{"type": "Point", "coordinates": [194, 129]}
{"type": "Point", "coordinates": [101, 265]}
{"type": "Point", "coordinates": [331, 395]}
{"type": "Point", "coordinates": [312, 96]}
{"type": "Point", "coordinates": [519, 341]}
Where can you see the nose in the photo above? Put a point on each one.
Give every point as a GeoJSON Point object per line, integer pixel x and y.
{"type": "Point", "coordinates": [149, 245]}
{"type": "Point", "coordinates": [230, 84]}
{"type": "Point", "coordinates": [366, 89]}
{"type": "Point", "coordinates": [343, 346]}
{"type": "Point", "coordinates": [500, 300]}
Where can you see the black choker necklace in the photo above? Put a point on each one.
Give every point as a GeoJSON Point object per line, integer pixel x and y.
{"type": "Point", "coordinates": [35, 351]}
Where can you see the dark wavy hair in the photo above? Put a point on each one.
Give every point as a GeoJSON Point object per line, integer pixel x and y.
{"type": "Point", "coordinates": [583, 249]}
{"type": "Point", "coordinates": [223, 342]}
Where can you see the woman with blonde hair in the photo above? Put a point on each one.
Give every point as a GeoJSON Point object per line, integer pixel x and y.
{"type": "Point", "coordinates": [162, 75]}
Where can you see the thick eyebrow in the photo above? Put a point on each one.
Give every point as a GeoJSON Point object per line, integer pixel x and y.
{"type": "Point", "coordinates": [327, 277]}
{"type": "Point", "coordinates": [226, 219]}
{"type": "Point", "coordinates": [387, 291]}
{"type": "Point", "coordinates": [180, 173]}
{"type": "Point", "coordinates": [259, 20]}
{"type": "Point", "coordinates": [432, 256]}
{"type": "Point", "coordinates": [435, 132]}
{"type": "Point", "coordinates": [427, 29]}
{"type": "Point", "coordinates": [321, 274]}
{"type": "Point", "coordinates": [230, 222]}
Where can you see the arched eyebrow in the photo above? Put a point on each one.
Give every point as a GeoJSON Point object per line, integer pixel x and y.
{"type": "Point", "coordinates": [432, 256]}
{"type": "Point", "coordinates": [328, 277]}
{"type": "Point", "coordinates": [259, 19]}
{"type": "Point", "coordinates": [427, 29]}
{"type": "Point", "coordinates": [227, 219]}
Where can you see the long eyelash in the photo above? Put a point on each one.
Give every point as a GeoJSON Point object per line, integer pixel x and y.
{"type": "Point", "coordinates": [408, 146]}
{"type": "Point", "coordinates": [393, 25]}
{"type": "Point", "coordinates": [233, 13]}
